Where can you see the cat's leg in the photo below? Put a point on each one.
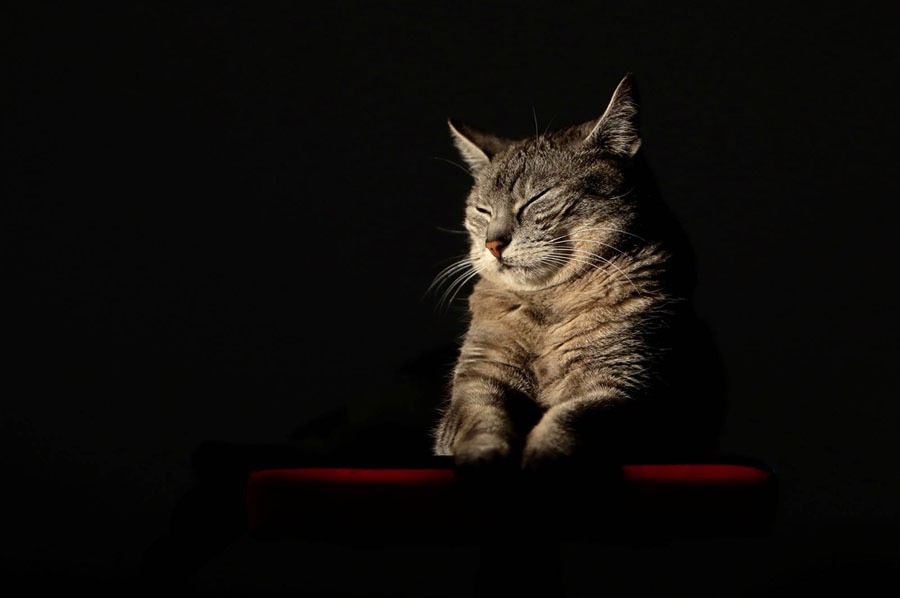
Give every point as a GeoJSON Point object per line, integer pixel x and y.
{"type": "Point", "coordinates": [476, 432]}
{"type": "Point", "coordinates": [484, 422]}
{"type": "Point", "coordinates": [492, 403]}
{"type": "Point", "coordinates": [598, 425]}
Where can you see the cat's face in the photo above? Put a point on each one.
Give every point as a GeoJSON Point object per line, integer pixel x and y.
{"type": "Point", "coordinates": [540, 214]}
{"type": "Point", "coordinates": [544, 209]}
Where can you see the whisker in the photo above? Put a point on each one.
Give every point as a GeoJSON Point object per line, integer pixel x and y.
{"type": "Point", "coordinates": [564, 239]}
{"type": "Point", "coordinates": [456, 286]}
{"type": "Point", "coordinates": [572, 252]}
{"type": "Point", "coordinates": [457, 164]}
{"type": "Point", "coordinates": [604, 260]}
{"type": "Point", "coordinates": [606, 228]}
{"type": "Point", "coordinates": [455, 269]}
{"type": "Point", "coordinates": [447, 272]}
{"type": "Point", "coordinates": [567, 239]}
{"type": "Point", "coordinates": [452, 230]}
{"type": "Point", "coordinates": [547, 128]}
{"type": "Point", "coordinates": [459, 260]}
{"type": "Point", "coordinates": [626, 194]}
{"type": "Point", "coordinates": [456, 259]}
{"type": "Point", "coordinates": [444, 301]}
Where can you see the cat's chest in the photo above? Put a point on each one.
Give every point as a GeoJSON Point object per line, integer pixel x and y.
{"type": "Point", "coordinates": [536, 325]}
{"type": "Point", "coordinates": [553, 339]}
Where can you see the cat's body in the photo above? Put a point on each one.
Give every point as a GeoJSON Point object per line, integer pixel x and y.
{"type": "Point", "coordinates": [582, 341]}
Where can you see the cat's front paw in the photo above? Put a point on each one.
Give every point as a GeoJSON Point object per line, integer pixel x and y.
{"type": "Point", "coordinates": [547, 450]}
{"type": "Point", "coordinates": [482, 452]}
{"type": "Point", "coordinates": [544, 459]}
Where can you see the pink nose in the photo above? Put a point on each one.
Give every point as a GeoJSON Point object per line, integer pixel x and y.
{"type": "Point", "coordinates": [495, 247]}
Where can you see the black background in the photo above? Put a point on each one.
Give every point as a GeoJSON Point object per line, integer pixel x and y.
{"type": "Point", "coordinates": [222, 221]}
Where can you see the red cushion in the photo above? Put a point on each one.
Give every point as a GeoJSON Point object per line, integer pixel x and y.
{"type": "Point", "coordinates": [720, 498]}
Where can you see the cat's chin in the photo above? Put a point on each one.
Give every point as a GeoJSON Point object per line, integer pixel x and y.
{"type": "Point", "coordinates": [523, 278]}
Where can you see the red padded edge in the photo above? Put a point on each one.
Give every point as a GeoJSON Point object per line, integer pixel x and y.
{"type": "Point", "coordinates": [696, 474]}
{"type": "Point", "coordinates": [676, 474]}
{"type": "Point", "coordinates": [276, 498]}
{"type": "Point", "coordinates": [357, 476]}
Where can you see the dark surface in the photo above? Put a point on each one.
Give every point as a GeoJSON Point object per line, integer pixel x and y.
{"type": "Point", "coordinates": [221, 223]}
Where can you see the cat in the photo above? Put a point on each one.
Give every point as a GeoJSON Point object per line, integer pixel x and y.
{"type": "Point", "coordinates": [582, 343]}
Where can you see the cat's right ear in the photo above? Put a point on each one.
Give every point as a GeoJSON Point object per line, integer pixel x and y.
{"type": "Point", "coordinates": [617, 130]}
{"type": "Point", "coordinates": [476, 147]}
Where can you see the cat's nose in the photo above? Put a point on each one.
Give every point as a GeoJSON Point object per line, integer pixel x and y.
{"type": "Point", "coordinates": [496, 247]}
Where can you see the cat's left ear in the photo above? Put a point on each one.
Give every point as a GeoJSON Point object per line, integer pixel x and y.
{"type": "Point", "coordinates": [617, 130]}
{"type": "Point", "coordinates": [476, 147]}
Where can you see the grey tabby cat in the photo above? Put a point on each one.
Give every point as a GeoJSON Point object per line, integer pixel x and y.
{"type": "Point", "coordinates": [582, 343]}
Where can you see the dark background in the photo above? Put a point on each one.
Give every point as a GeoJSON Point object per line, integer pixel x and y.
{"type": "Point", "coordinates": [222, 221]}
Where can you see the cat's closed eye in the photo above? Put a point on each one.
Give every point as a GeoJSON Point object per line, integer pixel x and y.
{"type": "Point", "coordinates": [482, 210]}
{"type": "Point", "coordinates": [531, 201]}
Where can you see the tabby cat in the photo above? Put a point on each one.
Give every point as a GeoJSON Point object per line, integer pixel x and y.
{"type": "Point", "coordinates": [582, 342]}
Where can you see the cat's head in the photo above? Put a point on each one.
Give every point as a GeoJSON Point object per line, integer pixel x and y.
{"type": "Point", "coordinates": [546, 208]}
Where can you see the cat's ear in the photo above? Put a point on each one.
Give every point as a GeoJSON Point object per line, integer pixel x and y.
{"type": "Point", "coordinates": [617, 130]}
{"type": "Point", "coordinates": [476, 147]}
